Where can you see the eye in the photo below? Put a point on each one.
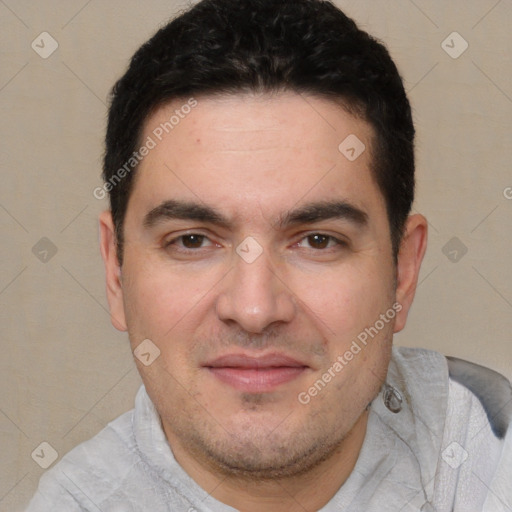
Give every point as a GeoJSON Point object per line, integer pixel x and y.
{"type": "Point", "coordinates": [189, 241]}
{"type": "Point", "coordinates": [320, 241]}
{"type": "Point", "coordinates": [193, 241]}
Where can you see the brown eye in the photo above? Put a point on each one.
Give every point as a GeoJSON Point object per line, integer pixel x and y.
{"type": "Point", "coordinates": [192, 241]}
{"type": "Point", "coordinates": [190, 245]}
{"type": "Point", "coordinates": [318, 241]}
{"type": "Point", "coordinates": [321, 242]}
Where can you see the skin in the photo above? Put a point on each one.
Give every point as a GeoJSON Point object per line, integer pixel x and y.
{"type": "Point", "coordinates": [255, 159]}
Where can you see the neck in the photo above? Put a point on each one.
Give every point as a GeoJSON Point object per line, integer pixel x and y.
{"type": "Point", "coordinates": [307, 491]}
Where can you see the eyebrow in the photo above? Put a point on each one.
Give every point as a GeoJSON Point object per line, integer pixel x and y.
{"type": "Point", "coordinates": [307, 214]}
{"type": "Point", "coordinates": [325, 210]}
{"type": "Point", "coordinates": [169, 210]}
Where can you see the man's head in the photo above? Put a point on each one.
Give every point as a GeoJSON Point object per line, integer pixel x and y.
{"type": "Point", "coordinates": [261, 231]}
{"type": "Point", "coordinates": [263, 46]}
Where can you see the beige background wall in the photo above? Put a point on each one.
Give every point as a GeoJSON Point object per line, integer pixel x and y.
{"type": "Point", "coordinates": [64, 371]}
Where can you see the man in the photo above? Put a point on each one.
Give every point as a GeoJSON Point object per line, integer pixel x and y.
{"type": "Point", "coordinates": [260, 254]}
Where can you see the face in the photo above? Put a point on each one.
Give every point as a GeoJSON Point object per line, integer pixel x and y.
{"type": "Point", "coordinates": [256, 253]}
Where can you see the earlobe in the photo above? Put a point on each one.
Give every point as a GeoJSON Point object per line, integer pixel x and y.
{"type": "Point", "coordinates": [410, 256]}
{"type": "Point", "coordinates": [112, 271]}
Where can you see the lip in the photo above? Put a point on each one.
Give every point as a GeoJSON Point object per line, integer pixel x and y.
{"type": "Point", "coordinates": [253, 374]}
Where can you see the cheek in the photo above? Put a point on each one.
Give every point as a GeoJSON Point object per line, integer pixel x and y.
{"type": "Point", "coordinates": [347, 300]}
{"type": "Point", "coordinates": [162, 300]}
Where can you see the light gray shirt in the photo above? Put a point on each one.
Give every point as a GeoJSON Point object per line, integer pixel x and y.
{"type": "Point", "coordinates": [448, 449]}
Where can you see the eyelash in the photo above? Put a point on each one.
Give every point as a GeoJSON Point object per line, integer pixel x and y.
{"type": "Point", "coordinates": [174, 241]}
{"type": "Point", "coordinates": [338, 243]}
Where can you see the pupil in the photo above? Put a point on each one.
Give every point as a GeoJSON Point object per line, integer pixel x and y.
{"type": "Point", "coordinates": [318, 241]}
{"type": "Point", "coordinates": [193, 241]}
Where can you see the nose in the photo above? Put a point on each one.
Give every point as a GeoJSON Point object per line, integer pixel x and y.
{"type": "Point", "coordinates": [254, 296]}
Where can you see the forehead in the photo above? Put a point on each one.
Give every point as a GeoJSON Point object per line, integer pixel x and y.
{"type": "Point", "coordinates": [244, 152]}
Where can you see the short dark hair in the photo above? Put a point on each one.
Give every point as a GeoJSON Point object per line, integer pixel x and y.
{"type": "Point", "coordinates": [265, 46]}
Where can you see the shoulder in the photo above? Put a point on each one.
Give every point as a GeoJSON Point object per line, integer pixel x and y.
{"type": "Point", "coordinates": [493, 391]}
{"type": "Point", "coordinates": [441, 382]}
{"type": "Point", "coordinates": [95, 468]}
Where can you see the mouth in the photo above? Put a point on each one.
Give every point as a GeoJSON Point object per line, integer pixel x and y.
{"type": "Point", "coordinates": [256, 374]}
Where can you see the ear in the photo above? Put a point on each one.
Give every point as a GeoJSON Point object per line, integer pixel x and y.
{"type": "Point", "coordinates": [108, 248]}
{"type": "Point", "coordinates": [410, 256]}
